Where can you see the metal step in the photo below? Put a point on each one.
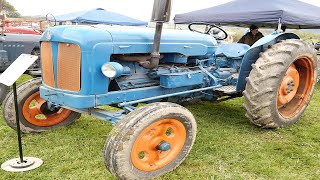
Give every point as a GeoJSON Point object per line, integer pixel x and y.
{"type": "Point", "coordinates": [227, 89]}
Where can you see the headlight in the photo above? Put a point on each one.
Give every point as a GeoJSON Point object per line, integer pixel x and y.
{"type": "Point", "coordinates": [113, 70]}
{"type": "Point", "coordinates": [109, 71]}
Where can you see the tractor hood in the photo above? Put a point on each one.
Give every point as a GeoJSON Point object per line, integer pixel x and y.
{"type": "Point", "coordinates": [126, 40]}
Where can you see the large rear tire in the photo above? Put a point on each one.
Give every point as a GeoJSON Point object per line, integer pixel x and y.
{"type": "Point", "coordinates": [281, 84]}
{"type": "Point", "coordinates": [150, 141]}
{"type": "Point", "coordinates": [34, 114]}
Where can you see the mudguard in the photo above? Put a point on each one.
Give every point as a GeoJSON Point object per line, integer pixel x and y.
{"type": "Point", "coordinates": [232, 50]}
{"type": "Point", "coordinates": [253, 54]}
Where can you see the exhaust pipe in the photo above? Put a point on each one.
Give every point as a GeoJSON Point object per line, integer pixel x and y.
{"type": "Point", "coordinates": [160, 14]}
{"type": "Point", "coordinates": [155, 54]}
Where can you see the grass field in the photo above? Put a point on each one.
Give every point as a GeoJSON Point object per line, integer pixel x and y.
{"type": "Point", "coordinates": [227, 147]}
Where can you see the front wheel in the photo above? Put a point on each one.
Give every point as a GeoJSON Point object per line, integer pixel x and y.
{"type": "Point", "coordinates": [34, 114]}
{"type": "Point", "coordinates": [150, 141]}
{"type": "Point", "coordinates": [281, 83]}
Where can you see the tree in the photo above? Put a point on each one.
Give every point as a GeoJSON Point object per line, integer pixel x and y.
{"type": "Point", "coordinates": [9, 10]}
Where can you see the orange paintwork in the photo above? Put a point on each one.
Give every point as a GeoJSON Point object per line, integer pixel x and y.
{"type": "Point", "coordinates": [301, 73]}
{"type": "Point", "coordinates": [147, 142]}
{"type": "Point", "coordinates": [31, 111]}
{"type": "Point", "coordinates": [47, 64]}
{"type": "Point", "coordinates": [292, 75]}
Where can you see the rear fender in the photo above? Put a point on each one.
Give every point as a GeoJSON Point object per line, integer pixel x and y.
{"type": "Point", "coordinates": [252, 55]}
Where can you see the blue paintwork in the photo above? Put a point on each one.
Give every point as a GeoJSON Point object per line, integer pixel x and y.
{"type": "Point", "coordinates": [96, 51]}
{"type": "Point", "coordinates": [253, 54]}
{"type": "Point", "coordinates": [137, 40]}
{"type": "Point", "coordinates": [193, 66]}
{"type": "Point", "coordinates": [65, 98]}
{"type": "Point", "coordinates": [102, 114]}
{"type": "Point", "coordinates": [232, 50]}
{"type": "Point", "coordinates": [174, 80]}
{"type": "Point", "coordinates": [115, 97]}
{"type": "Point", "coordinates": [103, 42]}
{"type": "Point", "coordinates": [175, 58]}
{"type": "Point", "coordinates": [204, 91]}
{"type": "Point", "coordinates": [164, 146]}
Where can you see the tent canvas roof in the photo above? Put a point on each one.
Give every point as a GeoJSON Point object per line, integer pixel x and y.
{"type": "Point", "coordinates": [99, 16]}
{"type": "Point", "coordinates": [293, 13]}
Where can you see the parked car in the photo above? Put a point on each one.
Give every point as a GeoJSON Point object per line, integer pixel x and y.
{"type": "Point", "coordinates": [11, 47]}
{"type": "Point", "coordinates": [21, 30]}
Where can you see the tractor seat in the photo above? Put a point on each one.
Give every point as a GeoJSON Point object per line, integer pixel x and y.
{"type": "Point", "coordinates": [232, 50]}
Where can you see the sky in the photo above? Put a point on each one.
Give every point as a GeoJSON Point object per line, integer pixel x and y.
{"type": "Point", "coordinates": [139, 9]}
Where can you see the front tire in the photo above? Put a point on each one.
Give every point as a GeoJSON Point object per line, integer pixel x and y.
{"type": "Point", "coordinates": [34, 114]}
{"type": "Point", "coordinates": [281, 84]}
{"type": "Point", "coordinates": [150, 141]}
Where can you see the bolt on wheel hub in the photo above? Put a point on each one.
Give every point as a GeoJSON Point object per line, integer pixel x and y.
{"type": "Point", "coordinates": [163, 146]}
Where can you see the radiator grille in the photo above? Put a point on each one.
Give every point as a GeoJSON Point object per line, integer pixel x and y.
{"type": "Point", "coordinates": [47, 64]}
{"type": "Point", "coordinates": [69, 65]}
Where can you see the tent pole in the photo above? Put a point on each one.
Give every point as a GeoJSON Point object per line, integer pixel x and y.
{"type": "Point", "coordinates": [279, 26]}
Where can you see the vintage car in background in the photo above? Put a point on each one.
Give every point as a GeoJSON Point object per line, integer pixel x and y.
{"type": "Point", "coordinates": [11, 46]}
{"type": "Point", "coordinates": [21, 30]}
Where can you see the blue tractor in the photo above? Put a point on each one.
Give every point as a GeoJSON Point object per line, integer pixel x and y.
{"type": "Point", "coordinates": [84, 67]}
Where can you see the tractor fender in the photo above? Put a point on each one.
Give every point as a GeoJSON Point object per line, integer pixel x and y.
{"type": "Point", "coordinates": [253, 54]}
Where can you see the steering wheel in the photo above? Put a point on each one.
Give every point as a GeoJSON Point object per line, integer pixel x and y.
{"type": "Point", "coordinates": [49, 18]}
{"type": "Point", "coordinates": [209, 29]}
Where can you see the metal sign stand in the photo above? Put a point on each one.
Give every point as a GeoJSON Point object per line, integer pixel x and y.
{"type": "Point", "coordinates": [20, 164]}
{"type": "Point", "coordinates": [8, 78]}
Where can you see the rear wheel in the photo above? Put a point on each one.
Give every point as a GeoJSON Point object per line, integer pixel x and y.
{"type": "Point", "coordinates": [281, 83]}
{"type": "Point", "coordinates": [150, 141]}
{"type": "Point", "coordinates": [35, 116]}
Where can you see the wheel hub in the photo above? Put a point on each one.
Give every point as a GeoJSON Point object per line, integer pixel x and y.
{"type": "Point", "coordinates": [45, 109]}
{"type": "Point", "coordinates": [35, 110]}
{"type": "Point", "coordinates": [163, 146]}
{"type": "Point", "coordinates": [296, 86]}
{"type": "Point", "coordinates": [289, 86]}
{"type": "Point", "coordinates": [158, 144]}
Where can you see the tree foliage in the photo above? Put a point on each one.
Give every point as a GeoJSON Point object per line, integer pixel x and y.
{"type": "Point", "coordinates": [9, 10]}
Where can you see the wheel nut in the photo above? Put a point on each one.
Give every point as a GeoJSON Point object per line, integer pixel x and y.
{"type": "Point", "coordinates": [163, 146]}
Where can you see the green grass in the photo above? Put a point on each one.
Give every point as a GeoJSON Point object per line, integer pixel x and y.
{"type": "Point", "coordinates": [227, 147]}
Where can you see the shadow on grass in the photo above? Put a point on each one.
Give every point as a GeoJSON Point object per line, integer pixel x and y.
{"type": "Point", "coordinates": [229, 113]}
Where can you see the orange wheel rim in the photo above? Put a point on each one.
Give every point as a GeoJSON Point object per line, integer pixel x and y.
{"type": "Point", "coordinates": [295, 87]}
{"type": "Point", "coordinates": [33, 110]}
{"type": "Point", "coordinates": [147, 156]}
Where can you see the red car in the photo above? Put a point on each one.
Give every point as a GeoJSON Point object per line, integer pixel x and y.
{"type": "Point", "coordinates": [21, 30]}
